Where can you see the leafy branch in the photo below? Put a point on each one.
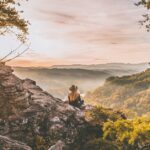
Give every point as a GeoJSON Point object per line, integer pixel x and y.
{"type": "Point", "coordinates": [146, 17]}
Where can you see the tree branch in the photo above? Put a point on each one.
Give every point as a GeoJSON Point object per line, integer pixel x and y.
{"type": "Point", "coordinates": [19, 54]}
{"type": "Point", "coordinates": [11, 52]}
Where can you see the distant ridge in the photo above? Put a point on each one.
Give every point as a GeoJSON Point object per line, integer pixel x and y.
{"type": "Point", "coordinates": [104, 66]}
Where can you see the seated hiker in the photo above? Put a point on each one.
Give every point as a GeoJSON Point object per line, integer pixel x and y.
{"type": "Point", "coordinates": [74, 97]}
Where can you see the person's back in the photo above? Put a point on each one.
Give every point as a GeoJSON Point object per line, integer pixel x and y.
{"type": "Point", "coordinates": [74, 97]}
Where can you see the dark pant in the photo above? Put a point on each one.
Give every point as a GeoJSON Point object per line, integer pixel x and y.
{"type": "Point", "coordinates": [78, 103]}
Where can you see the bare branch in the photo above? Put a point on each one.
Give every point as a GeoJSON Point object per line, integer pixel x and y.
{"type": "Point", "coordinates": [3, 31]}
{"type": "Point", "coordinates": [19, 54]}
{"type": "Point", "coordinates": [11, 52]}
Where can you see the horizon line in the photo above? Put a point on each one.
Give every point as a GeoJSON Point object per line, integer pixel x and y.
{"type": "Point", "coordinates": [61, 65]}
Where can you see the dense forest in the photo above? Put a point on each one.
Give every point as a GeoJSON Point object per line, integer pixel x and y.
{"type": "Point", "coordinates": [129, 93]}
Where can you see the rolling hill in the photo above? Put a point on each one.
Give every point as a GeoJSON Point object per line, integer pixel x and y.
{"type": "Point", "coordinates": [131, 93]}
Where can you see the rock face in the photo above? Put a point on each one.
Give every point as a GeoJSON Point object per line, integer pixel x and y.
{"type": "Point", "coordinates": [13, 97]}
{"type": "Point", "coordinates": [58, 146]}
{"type": "Point", "coordinates": [32, 116]}
{"type": "Point", "coordinates": [8, 144]}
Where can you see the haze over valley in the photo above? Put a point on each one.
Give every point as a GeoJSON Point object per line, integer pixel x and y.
{"type": "Point", "coordinates": [57, 79]}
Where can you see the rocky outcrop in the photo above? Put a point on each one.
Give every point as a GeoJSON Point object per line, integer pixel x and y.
{"type": "Point", "coordinates": [13, 97]}
{"type": "Point", "coordinates": [33, 116]}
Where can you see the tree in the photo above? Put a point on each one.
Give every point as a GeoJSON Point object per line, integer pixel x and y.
{"type": "Point", "coordinates": [146, 21]}
{"type": "Point", "coordinates": [12, 22]}
{"type": "Point", "coordinates": [129, 134]}
{"type": "Point", "coordinates": [10, 19]}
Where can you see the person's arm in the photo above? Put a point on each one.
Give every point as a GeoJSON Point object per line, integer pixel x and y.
{"type": "Point", "coordinates": [69, 98]}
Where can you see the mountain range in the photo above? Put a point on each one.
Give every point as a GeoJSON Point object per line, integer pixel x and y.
{"type": "Point", "coordinates": [58, 79]}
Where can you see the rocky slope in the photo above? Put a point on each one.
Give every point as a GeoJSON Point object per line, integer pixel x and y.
{"type": "Point", "coordinates": [32, 116]}
{"type": "Point", "coordinates": [32, 119]}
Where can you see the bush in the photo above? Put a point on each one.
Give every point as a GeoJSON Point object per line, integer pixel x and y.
{"type": "Point", "coordinates": [131, 134]}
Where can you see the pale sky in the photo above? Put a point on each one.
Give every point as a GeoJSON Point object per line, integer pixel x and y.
{"type": "Point", "coordinates": [82, 32]}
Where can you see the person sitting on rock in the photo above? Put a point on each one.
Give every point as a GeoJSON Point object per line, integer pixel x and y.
{"type": "Point", "coordinates": [74, 97]}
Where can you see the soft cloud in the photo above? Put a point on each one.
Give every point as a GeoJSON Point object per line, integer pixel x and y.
{"type": "Point", "coordinates": [85, 31]}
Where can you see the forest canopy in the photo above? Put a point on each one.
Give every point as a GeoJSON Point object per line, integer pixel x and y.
{"type": "Point", "coordinates": [130, 93]}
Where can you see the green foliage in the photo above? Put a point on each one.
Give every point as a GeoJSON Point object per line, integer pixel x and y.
{"type": "Point", "coordinates": [129, 134]}
{"type": "Point", "coordinates": [146, 21]}
{"type": "Point", "coordinates": [118, 133]}
{"type": "Point", "coordinates": [101, 114]}
{"type": "Point", "coordinates": [10, 19]}
{"type": "Point", "coordinates": [131, 93]}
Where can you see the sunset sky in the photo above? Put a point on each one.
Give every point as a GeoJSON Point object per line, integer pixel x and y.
{"type": "Point", "coordinates": [82, 32]}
